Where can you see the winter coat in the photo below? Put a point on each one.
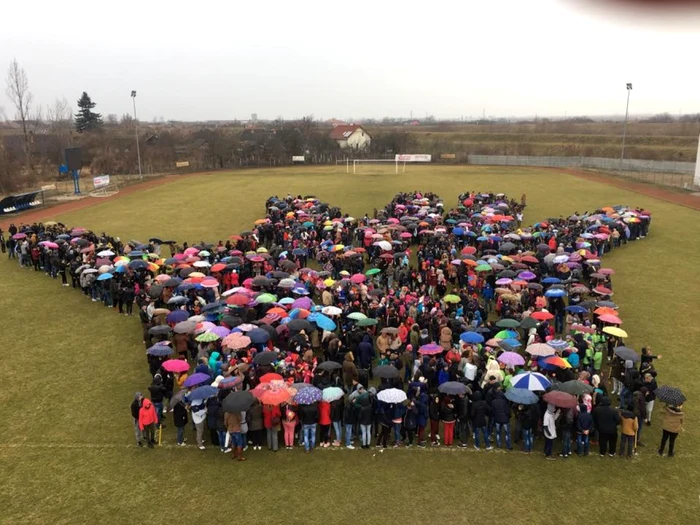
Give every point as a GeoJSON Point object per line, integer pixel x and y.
{"type": "Point", "coordinates": [480, 410]}
{"type": "Point", "coordinates": [549, 424]}
{"type": "Point", "coordinates": [233, 421]}
{"type": "Point", "coordinates": [639, 404]}
{"type": "Point", "coordinates": [584, 421]}
{"type": "Point", "coordinates": [606, 418]}
{"type": "Point", "coordinates": [135, 407]}
{"type": "Point", "coordinates": [410, 420]}
{"type": "Point", "coordinates": [672, 419]}
{"type": "Point", "coordinates": [500, 408]}
{"type": "Point", "coordinates": [272, 414]}
{"type": "Point", "coordinates": [324, 413]}
{"type": "Point", "coordinates": [422, 404]}
{"type": "Point", "coordinates": [628, 424]}
{"type": "Point", "coordinates": [308, 414]}
{"type": "Point", "coordinates": [180, 415]}
{"type": "Point", "coordinates": [147, 414]}
{"type": "Point", "coordinates": [337, 408]}
{"type": "Point", "coordinates": [255, 417]}
{"type": "Point", "coordinates": [434, 410]}
{"type": "Point", "coordinates": [447, 412]}
{"type": "Point", "coordinates": [365, 352]}
{"type": "Point", "coordinates": [365, 412]}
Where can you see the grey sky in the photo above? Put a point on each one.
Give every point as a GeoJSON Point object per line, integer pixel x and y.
{"type": "Point", "coordinates": [225, 60]}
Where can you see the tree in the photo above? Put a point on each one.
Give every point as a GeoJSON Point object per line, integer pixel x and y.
{"type": "Point", "coordinates": [112, 119]}
{"type": "Point", "coordinates": [59, 115]}
{"type": "Point", "coordinates": [18, 92]}
{"type": "Point", "coordinates": [85, 118]}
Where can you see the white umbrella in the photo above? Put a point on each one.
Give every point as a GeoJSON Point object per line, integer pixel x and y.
{"type": "Point", "coordinates": [531, 381]}
{"type": "Point", "coordinates": [201, 264]}
{"type": "Point", "coordinates": [540, 350]}
{"type": "Point", "coordinates": [384, 245]}
{"type": "Point", "coordinates": [105, 253]}
{"type": "Point", "coordinates": [331, 310]}
{"type": "Point", "coordinates": [392, 395]}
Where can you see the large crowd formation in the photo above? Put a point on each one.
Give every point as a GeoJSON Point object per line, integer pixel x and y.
{"type": "Point", "coordinates": [415, 326]}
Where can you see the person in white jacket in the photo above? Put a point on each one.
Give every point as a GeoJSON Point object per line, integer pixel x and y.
{"type": "Point", "coordinates": [549, 427]}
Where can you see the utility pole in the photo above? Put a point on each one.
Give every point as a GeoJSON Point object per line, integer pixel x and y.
{"type": "Point", "coordinates": [624, 129]}
{"type": "Point", "coordinates": [136, 122]}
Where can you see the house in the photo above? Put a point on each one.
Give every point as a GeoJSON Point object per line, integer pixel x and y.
{"type": "Point", "coordinates": [351, 136]}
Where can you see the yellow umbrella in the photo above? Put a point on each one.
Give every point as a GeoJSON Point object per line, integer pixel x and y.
{"type": "Point", "coordinates": [260, 221]}
{"type": "Point", "coordinates": [262, 249]}
{"type": "Point", "coordinates": [614, 330]}
{"type": "Point", "coordinates": [329, 282]}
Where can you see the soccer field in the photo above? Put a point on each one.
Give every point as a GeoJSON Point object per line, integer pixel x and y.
{"type": "Point", "coordinates": [70, 369]}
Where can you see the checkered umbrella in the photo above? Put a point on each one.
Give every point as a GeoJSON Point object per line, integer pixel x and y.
{"type": "Point", "coordinates": [670, 395]}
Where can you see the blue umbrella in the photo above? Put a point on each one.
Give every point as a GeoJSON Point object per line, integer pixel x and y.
{"type": "Point", "coordinates": [551, 280]}
{"type": "Point", "coordinates": [323, 322]}
{"type": "Point", "coordinates": [136, 253]}
{"type": "Point", "coordinates": [104, 276]}
{"type": "Point", "coordinates": [258, 336]}
{"type": "Point", "coordinates": [308, 396]}
{"type": "Point", "coordinates": [160, 350]}
{"type": "Point", "coordinates": [120, 269]}
{"type": "Point", "coordinates": [531, 381]}
{"type": "Point", "coordinates": [472, 337]}
{"type": "Point", "coordinates": [521, 396]}
{"type": "Point", "coordinates": [177, 316]}
{"type": "Point", "coordinates": [576, 309]}
{"type": "Point", "coordinates": [558, 344]}
{"type": "Point", "coordinates": [543, 365]}
{"type": "Point", "coordinates": [512, 342]}
{"type": "Point", "coordinates": [203, 392]}
{"type": "Point", "coordinates": [186, 286]}
{"type": "Point", "coordinates": [138, 263]}
{"type": "Point", "coordinates": [555, 292]}
{"type": "Point", "coordinates": [458, 231]}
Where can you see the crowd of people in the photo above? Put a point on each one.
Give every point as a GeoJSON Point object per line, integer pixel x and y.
{"type": "Point", "coordinates": [417, 326]}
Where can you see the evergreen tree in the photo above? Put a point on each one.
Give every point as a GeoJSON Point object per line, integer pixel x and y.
{"type": "Point", "coordinates": [85, 118]}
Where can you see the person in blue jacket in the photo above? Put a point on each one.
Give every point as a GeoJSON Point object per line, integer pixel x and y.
{"type": "Point", "coordinates": [584, 427]}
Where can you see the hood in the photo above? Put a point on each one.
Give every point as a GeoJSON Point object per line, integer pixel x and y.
{"type": "Point", "coordinates": [627, 414]}
{"type": "Point", "coordinates": [147, 404]}
{"type": "Point", "coordinates": [604, 401]}
{"type": "Point", "coordinates": [499, 395]}
{"type": "Point", "coordinates": [366, 339]}
{"type": "Point", "coordinates": [477, 397]}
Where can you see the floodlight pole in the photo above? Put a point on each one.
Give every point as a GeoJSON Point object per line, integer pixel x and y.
{"type": "Point", "coordinates": [624, 129]}
{"type": "Point", "coordinates": [136, 122]}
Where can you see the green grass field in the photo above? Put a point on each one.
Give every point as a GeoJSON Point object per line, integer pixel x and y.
{"type": "Point", "coordinates": [70, 368]}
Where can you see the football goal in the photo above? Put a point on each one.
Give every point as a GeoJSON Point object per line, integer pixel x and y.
{"type": "Point", "coordinates": [372, 166]}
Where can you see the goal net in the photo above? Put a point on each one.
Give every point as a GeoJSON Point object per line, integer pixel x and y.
{"type": "Point", "coordinates": [374, 166]}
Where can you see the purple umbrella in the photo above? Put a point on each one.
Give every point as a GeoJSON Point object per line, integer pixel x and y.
{"type": "Point", "coordinates": [196, 379]}
{"type": "Point", "coordinates": [527, 276]}
{"type": "Point", "coordinates": [430, 349]}
{"type": "Point", "coordinates": [308, 396]}
{"type": "Point", "coordinates": [177, 316]}
{"type": "Point", "coordinates": [221, 331]}
{"type": "Point", "coordinates": [511, 358]}
{"type": "Point", "coordinates": [302, 302]}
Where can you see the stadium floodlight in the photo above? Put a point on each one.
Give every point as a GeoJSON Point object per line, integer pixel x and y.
{"type": "Point", "coordinates": [624, 128]}
{"type": "Point", "coordinates": [136, 123]}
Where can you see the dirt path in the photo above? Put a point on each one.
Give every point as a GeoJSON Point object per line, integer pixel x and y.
{"type": "Point", "coordinates": [41, 214]}
{"type": "Point", "coordinates": [650, 190]}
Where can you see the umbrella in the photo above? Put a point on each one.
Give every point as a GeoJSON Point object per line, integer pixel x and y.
{"type": "Point", "coordinates": [471, 337]}
{"type": "Point", "coordinates": [267, 378]}
{"type": "Point", "coordinates": [297, 325]}
{"type": "Point", "coordinates": [177, 316]}
{"type": "Point", "coordinates": [203, 392]}
{"type": "Point", "coordinates": [521, 396]}
{"type": "Point", "coordinates": [329, 365]}
{"type": "Point", "coordinates": [230, 382]}
{"type": "Point", "coordinates": [273, 395]}
{"type": "Point", "coordinates": [540, 350]}
{"type": "Point", "coordinates": [386, 372]}
{"type": "Point", "coordinates": [431, 349]}
{"type": "Point", "coordinates": [160, 350]}
{"type": "Point", "coordinates": [236, 341]}
{"type": "Point", "coordinates": [555, 292]}
{"type": "Point", "coordinates": [542, 316]}
{"type": "Point", "coordinates": [557, 361]}
{"type": "Point", "coordinates": [575, 309]}
{"type": "Point", "coordinates": [670, 395]}
{"type": "Point", "coordinates": [238, 401]}
{"type": "Point", "coordinates": [323, 322]}
{"type": "Point", "coordinates": [332, 393]}
{"type": "Point", "coordinates": [301, 386]}
{"type": "Point", "coordinates": [331, 310]}
{"type": "Point", "coordinates": [372, 271]}
{"type": "Point", "coordinates": [392, 395]}
{"type": "Point", "coordinates": [258, 336]}
{"type": "Point", "coordinates": [163, 329]}
{"type": "Point", "coordinates": [367, 322]}
{"type": "Point", "coordinates": [627, 354]}
{"type": "Point", "coordinates": [511, 358]}
{"type": "Point", "coordinates": [196, 379]}
{"type": "Point", "coordinates": [176, 365]}
{"type": "Point", "coordinates": [451, 298]}
{"type": "Point", "coordinates": [528, 323]}
{"type": "Point", "coordinates": [560, 399]}
{"type": "Point", "coordinates": [207, 337]}
{"type": "Point", "coordinates": [615, 331]}
{"type": "Point", "coordinates": [612, 319]}
{"type": "Point", "coordinates": [177, 398]}
{"type": "Point", "coordinates": [185, 327]}
{"type": "Point", "coordinates": [452, 388]}
{"type": "Point", "coordinates": [575, 387]}
{"type": "Point", "coordinates": [356, 316]}
{"type": "Point", "coordinates": [265, 358]}
{"type": "Point", "coordinates": [531, 381]}
{"type": "Point", "coordinates": [508, 323]}
{"type": "Point", "coordinates": [308, 396]}
{"type": "Point", "coordinates": [390, 330]}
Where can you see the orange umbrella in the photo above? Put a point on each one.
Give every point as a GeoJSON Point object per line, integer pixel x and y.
{"type": "Point", "coordinates": [609, 318]}
{"type": "Point", "coordinates": [218, 267]}
{"type": "Point", "coordinates": [555, 360]}
{"type": "Point", "coordinates": [542, 316]}
{"type": "Point", "coordinates": [604, 310]}
{"type": "Point", "coordinates": [277, 310]}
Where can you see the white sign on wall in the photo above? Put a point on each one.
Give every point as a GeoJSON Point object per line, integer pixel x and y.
{"type": "Point", "coordinates": [101, 181]}
{"type": "Point", "coordinates": [298, 158]}
{"type": "Point", "coordinates": [414, 158]}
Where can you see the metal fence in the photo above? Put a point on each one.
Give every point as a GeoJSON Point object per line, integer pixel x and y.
{"type": "Point", "coordinates": [593, 163]}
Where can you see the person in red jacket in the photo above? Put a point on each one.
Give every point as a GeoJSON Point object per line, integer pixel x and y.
{"type": "Point", "coordinates": [324, 422]}
{"type": "Point", "coordinates": [147, 422]}
{"type": "Point", "coordinates": [272, 417]}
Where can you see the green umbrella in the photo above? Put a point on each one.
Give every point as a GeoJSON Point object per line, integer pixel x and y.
{"type": "Point", "coordinates": [367, 322]}
{"type": "Point", "coordinates": [357, 316]}
{"type": "Point", "coordinates": [483, 268]}
{"type": "Point", "coordinates": [507, 323]}
{"type": "Point", "coordinates": [451, 298]}
{"type": "Point", "coordinates": [207, 337]}
{"type": "Point", "coordinates": [373, 271]}
{"type": "Point", "coordinates": [528, 323]}
{"type": "Point", "coordinates": [265, 298]}
{"type": "Point", "coordinates": [506, 334]}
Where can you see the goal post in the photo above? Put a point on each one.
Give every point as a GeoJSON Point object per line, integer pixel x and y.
{"type": "Point", "coordinates": [383, 163]}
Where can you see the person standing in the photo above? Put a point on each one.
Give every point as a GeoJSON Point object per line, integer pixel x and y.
{"type": "Point", "coordinates": [147, 422]}
{"type": "Point", "coordinates": [135, 408]}
{"type": "Point", "coordinates": [180, 422]}
{"type": "Point", "coordinates": [672, 425]}
{"type": "Point", "coordinates": [199, 418]}
{"type": "Point", "coordinates": [549, 427]}
{"type": "Point", "coordinates": [235, 439]}
{"type": "Point", "coordinates": [272, 418]}
{"type": "Point", "coordinates": [628, 432]}
{"type": "Point", "coordinates": [308, 416]}
{"type": "Point", "coordinates": [606, 419]}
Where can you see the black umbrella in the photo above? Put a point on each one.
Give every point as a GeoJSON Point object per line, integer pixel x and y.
{"type": "Point", "coordinates": [287, 265]}
{"type": "Point", "coordinates": [177, 300]}
{"type": "Point", "coordinates": [186, 271]}
{"type": "Point", "coordinates": [535, 286]}
{"type": "Point", "coordinates": [507, 247]}
{"type": "Point", "coordinates": [173, 282]}
{"type": "Point", "coordinates": [238, 401]}
{"type": "Point", "coordinates": [270, 330]}
{"type": "Point", "coordinates": [231, 320]}
{"type": "Point", "coordinates": [261, 281]}
{"type": "Point", "coordinates": [386, 372]}
{"type": "Point", "coordinates": [297, 325]}
{"type": "Point", "coordinates": [155, 240]}
{"type": "Point", "coordinates": [329, 365]}
{"type": "Point", "coordinates": [155, 291]}
{"type": "Point", "coordinates": [508, 274]}
{"type": "Point", "coordinates": [528, 323]}
{"type": "Point", "coordinates": [627, 354]}
{"type": "Point", "coordinates": [162, 329]}
{"type": "Point", "coordinates": [670, 395]}
{"type": "Point", "coordinates": [453, 388]}
{"type": "Point", "coordinates": [575, 387]}
{"type": "Point", "coordinates": [265, 358]}
{"type": "Point", "coordinates": [280, 275]}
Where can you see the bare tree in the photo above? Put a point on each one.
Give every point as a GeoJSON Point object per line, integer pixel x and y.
{"type": "Point", "coordinates": [18, 92]}
{"type": "Point", "coordinates": [59, 114]}
{"type": "Point", "coordinates": [112, 119]}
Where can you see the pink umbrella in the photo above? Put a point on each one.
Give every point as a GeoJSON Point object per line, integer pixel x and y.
{"type": "Point", "coordinates": [49, 244]}
{"type": "Point", "coordinates": [209, 282]}
{"type": "Point", "coordinates": [609, 318]}
{"type": "Point", "coordinates": [430, 349]}
{"type": "Point", "coordinates": [176, 365]}
{"type": "Point", "coordinates": [358, 278]}
{"type": "Point", "coordinates": [204, 326]}
{"type": "Point", "coordinates": [511, 358]}
{"type": "Point", "coordinates": [392, 220]}
{"type": "Point", "coordinates": [236, 341]}
{"type": "Point", "coordinates": [191, 251]}
{"type": "Point", "coordinates": [406, 235]}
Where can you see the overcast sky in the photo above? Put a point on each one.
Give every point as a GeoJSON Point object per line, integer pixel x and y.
{"type": "Point", "coordinates": [224, 60]}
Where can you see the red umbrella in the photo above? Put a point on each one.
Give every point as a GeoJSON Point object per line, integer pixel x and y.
{"type": "Point", "coordinates": [468, 250]}
{"type": "Point", "coordinates": [238, 299]}
{"type": "Point", "coordinates": [560, 399]}
{"type": "Point", "coordinates": [271, 377]}
{"type": "Point", "coordinates": [272, 394]}
{"type": "Point", "coordinates": [430, 349]}
{"type": "Point", "coordinates": [218, 267]}
{"type": "Point", "coordinates": [582, 328]}
{"type": "Point", "coordinates": [602, 290]}
{"type": "Point", "coordinates": [529, 259]}
{"type": "Point", "coordinates": [542, 316]}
